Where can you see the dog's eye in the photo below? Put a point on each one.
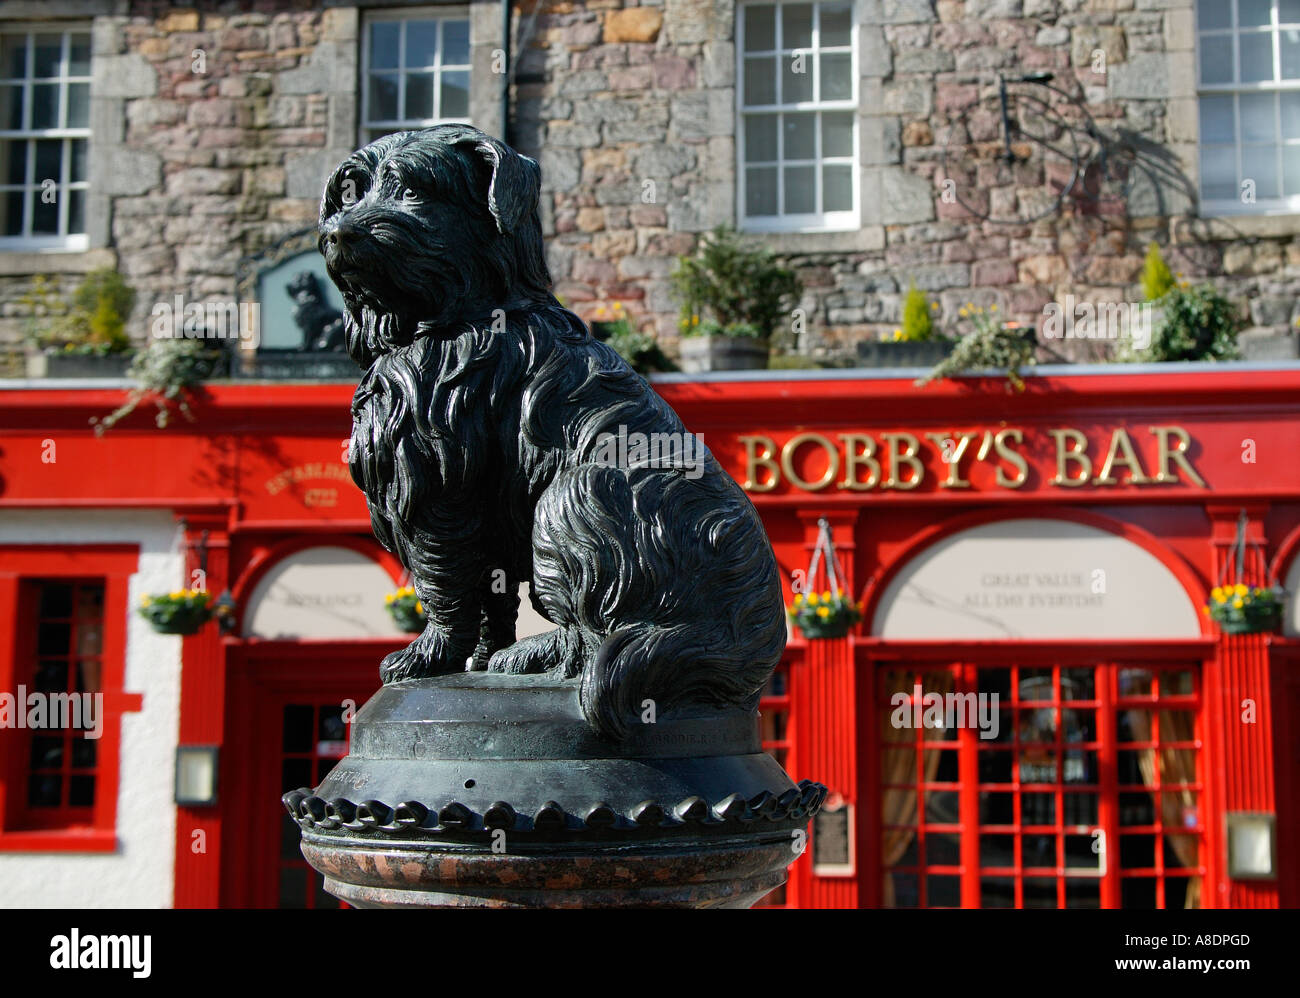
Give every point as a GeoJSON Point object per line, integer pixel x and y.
{"type": "Point", "coordinates": [350, 189]}
{"type": "Point", "coordinates": [410, 195]}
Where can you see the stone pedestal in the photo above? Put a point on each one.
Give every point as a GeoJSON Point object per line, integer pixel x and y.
{"type": "Point", "coordinates": [482, 790]}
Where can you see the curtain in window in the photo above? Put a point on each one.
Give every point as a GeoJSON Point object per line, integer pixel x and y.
{"type": "Point", "coordinates": [1176, 765]}
{"type": "Point", "coordinates": [898, 805]}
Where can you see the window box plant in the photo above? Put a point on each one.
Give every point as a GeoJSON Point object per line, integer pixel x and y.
{"type": "Point", "coordinates": [406, 610]}
{"type": "Point", "coordinates": [82, 338]}
{"type": "Point", "coordinates": [641, 350]}
{"type": "Point", "coordinates": [733, 299]}
{"type": "Point", "coordinates": [993, 344]}
{"type": "Point", "coordinates": [181, 612]}
{"type": "Point", "coordinates": [915, 343]}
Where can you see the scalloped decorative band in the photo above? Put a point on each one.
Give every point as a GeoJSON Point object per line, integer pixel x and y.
{"type": "Point", "coordinates": [412, 818]}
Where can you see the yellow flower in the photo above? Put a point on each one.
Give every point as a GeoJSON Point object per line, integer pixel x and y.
{"type": "Point", "coordinates": [798, 599]}
{"type": "Point", "coordinates": [419, 608]}
{"type": "Point", "coordinates": [390, 597]}
{"type": "Point", "coordinates": [144, 601]}
{"type": "Point", "coordinates": [1237, 604]}
{"type": "Point", "coordinates": [1217, 593]}
{"type": "Point", "coordinates": [1240, 589]}
{"type": "Point", "coordinates": [963, 311]}
{"type": "Point", "coordinates": [823, 611]}
{"type": "Point", "coordinates": [898, 334]}
{"type": "Point", "coordinates": [826, 596]}
{"type": "Point", "coordinates": [993, 307]}
{"type": "Point", "coordinates": [812, 599]}
{"type": "Point", "coordinates": [618, 306]}
{"type": "Point", "coordinates": [934, 306]}
{"type": "Point", "coordinates": [1205, 609]}
{"type": "Point", "coordinates": [695, 320]}
{"type": "Point", "coordinates": [600, 311]}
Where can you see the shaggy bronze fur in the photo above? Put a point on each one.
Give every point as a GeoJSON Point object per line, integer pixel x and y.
{"type": "Point", "coordinates": [481, 440]}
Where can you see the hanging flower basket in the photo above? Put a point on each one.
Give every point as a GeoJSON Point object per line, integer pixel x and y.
{"type": "Point", "coordinates": [1243, 609]}
{"type": "Point", "coordinates": [1240, 608]}
{"type": "Point", "coordinates": [829, 614]}
{"type": "Point", "coordinates": [405, 609]}
{"type": "Point", "coordinates": [181, 612]}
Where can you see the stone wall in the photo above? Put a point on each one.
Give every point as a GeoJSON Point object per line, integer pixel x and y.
{"type": "Point", "coordinates": [630, 108]}
{"type": "Point", "coordinates": [625, 94]}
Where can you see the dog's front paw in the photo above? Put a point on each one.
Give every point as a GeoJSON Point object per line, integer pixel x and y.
{"type": "Point", "coordinates": [558, 650]}
{"type": "Point", "coordinates": [430, 654]}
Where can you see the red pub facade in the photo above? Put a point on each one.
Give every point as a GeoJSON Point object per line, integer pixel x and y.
{"type": "Point", "coordinates": [1035, 710]}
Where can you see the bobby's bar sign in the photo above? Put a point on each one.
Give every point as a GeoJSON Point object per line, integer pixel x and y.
{"type": "Point", "coordinates": [1002, 458]}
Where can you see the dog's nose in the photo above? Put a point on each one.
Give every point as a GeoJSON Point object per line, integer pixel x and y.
{"type": "Point", "coordinates": [341, 234]}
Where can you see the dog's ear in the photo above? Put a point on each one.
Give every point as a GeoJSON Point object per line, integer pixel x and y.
{"type": "Point", "coordinates": [516, 183]}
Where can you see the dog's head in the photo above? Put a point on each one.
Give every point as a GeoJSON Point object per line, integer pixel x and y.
{"type": "Point", "coordinates": [420, 229]}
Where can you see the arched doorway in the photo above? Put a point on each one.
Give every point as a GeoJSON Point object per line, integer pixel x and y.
{"type": "Point", "coordinates": [1035, 704]}
{"type": "Point", "coordinates": [312, 631]}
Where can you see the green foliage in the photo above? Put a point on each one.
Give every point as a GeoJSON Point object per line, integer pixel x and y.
{"type": "Point", "coordinates": [792, 362]}
{"type": "Point", "coordinates": [1243, 609]}
{"type": "Point", "coordinates": [828, 615]}
{"type": "Point", "coordinates": [1156, 278]}
{"type": "Point", "coordinates": [730, 289]}
{"type": "Point", "coordinates": [918, 325]}
{"type": "Point", "coordinates": [1195, 324]}
{"type": "Point", "coordinates": [166, 371]}
{"type": "Point", "coordinates": [640, 350]}
{"type": "Point", "coordinates": [181, 612]}
{"type": "Point", "coordinates": [991, 344]}
{"type": "Point", "coordinates": [93, 322]}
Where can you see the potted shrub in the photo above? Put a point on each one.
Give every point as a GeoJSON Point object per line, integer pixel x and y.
{"type": "Point", "coordinates": [641, 350]}
{"type": "Point", "coordinates": [83, 338]}
{"type": "Point", "coordinates": [828, 615]}
{"type": "Point", "coordinates": [1192, 324]}
{"type": "Point", "coordinates": [915, 343]}
{"type": "Point", "coordinates": [1243, 609]}
{"type": "Point", "coordinates": [180, 612]}
{"type": "Point", "coordinates": [406, 610]}
{"type": "Point", "coordinates": [733, 297]}
{"type": "Point", "coordinates": [991, 344]}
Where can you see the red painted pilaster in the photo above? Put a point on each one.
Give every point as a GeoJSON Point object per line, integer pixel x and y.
{"type": "Point", "coordinates": [203, 716]}
{"type": "Point", "coordinates": [1241, 724]}
{"type": "Point", "coordinates": [824, 705]}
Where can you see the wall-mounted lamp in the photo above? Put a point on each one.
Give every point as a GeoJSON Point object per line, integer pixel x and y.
{"type": "Point", "coordinates": [196, 775]}
{"type": "Point", "coordinates": [1252, 845]}
{"type": "Point", "coordinates": [224, 610]}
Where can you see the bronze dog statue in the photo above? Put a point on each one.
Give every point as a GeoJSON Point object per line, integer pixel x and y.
{"type": "Point", "coordinates": [490, 436]}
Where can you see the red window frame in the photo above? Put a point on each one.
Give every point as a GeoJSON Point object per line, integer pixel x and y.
{"type": "Point", "coordinates": [962, 862]}
{"type": "Point", "coordinates": [91, 829]}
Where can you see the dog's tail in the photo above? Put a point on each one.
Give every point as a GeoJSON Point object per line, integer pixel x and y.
{"type": "Point", "coordinates": [643, 670]}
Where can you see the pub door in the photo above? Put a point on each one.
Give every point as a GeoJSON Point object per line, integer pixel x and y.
{"type": "Point", "coordinates": [287, 711]}
{"type": "Point", "coordinates": [1085, 787]}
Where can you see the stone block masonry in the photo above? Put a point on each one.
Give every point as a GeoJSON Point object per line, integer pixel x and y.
{"type": "Point", "coordinates": [631, 110]}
